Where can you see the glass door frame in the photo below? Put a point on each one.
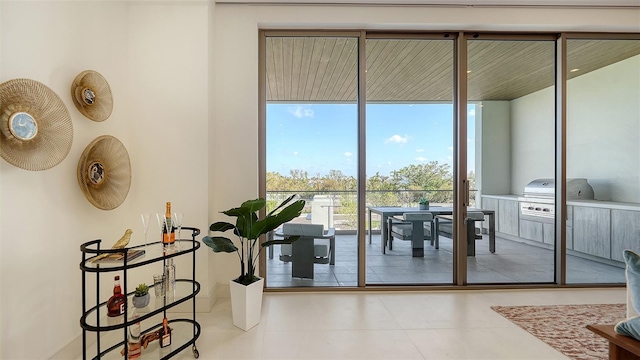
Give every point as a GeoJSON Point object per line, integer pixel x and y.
{"type": "Point", "coordinates": [460, 102]}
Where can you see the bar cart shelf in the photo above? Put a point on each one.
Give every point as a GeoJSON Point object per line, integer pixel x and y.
{"type": "Point", "coordinates": [111, 332]}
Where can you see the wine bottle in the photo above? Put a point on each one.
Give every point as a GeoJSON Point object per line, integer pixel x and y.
{"type": "Point", "coordinates": [168, 230]}
{"type": "Point", "coordinates": [115, 304]}
{"type": "Point", "coordinates": [165, 334]}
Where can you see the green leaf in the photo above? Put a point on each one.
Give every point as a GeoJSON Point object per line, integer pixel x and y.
{"type": "Point", "coordinates": [285, 202]}
{"type": "Point", "coordinates": [219, 244]}
{"type": "Point", "coordinates": [221, 226]}
{"type": "Point", "coordinates": [254, 205]}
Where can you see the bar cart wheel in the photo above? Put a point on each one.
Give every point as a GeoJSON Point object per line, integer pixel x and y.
{"type": "Point", "coordinates": [196, 354]}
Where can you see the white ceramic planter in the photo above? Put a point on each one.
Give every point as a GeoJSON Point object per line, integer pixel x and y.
{"type": "Point", "coordinates": [246, 303]}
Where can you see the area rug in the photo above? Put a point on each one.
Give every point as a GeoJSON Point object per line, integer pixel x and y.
{"type": "Point", "coordinates": [564, 326]}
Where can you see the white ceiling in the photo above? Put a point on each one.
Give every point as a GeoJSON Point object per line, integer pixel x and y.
{"type": "Point", "coordinates": [478, 3]}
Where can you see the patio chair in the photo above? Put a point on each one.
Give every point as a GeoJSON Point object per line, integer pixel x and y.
{"type": "Point", "coordinates": [444, 226]}
{"type": "Point", "coordinates": [414, 226]}
{"type": "Point", "coordinates": [315, 246]}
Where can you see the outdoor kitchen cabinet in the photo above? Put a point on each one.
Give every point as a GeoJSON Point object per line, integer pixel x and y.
{"type": "Point", "coordinates": [508, 216]}
{"type": "Point", "coordinates": [531, 230]}
{"type": "Point", "coordinates": [507, 213]}
{"type": "Point", "coordinates": [592, 230]}
{"type": "Point", "coordinates": [545, 231]}
{"type": "Point", "coordinates": [625, 232]}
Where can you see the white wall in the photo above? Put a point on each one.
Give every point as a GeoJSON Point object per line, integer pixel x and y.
{"type": "Point", "coordinates": [603, 137]}
{"type": "Point", "coordinates": [533, 138]}
{"type": "Point", "coordinates": [494, 120]}
{"type": "Point", "coordinates": [603, 133]}
{"type": "Point", "coordinates": [154, 56]}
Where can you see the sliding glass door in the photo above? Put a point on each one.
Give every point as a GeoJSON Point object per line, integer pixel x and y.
{"type": "Point", "coordinates": [442, 159]}
{"type": "Point", "coordinates": [409, 136]}
{"type": "Point", "coordinates": [511, 153]}
{"type": "Point", "coordinates": [311, 150]}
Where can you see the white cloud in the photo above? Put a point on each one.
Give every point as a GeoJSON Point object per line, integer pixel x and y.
{"type": "Point", "coordinates": [295, 153]}
{"type": "Point", "coordinates": [450, 148]}
{"type": "Point", "coordinates": [397, 139]}
{"type": "Point", "coordinates": [300, 111]}
{"type": "Point", "coordinates": [347, 154]}
{"type": "Point", "coordinates": [421, 159]}
{"type": "Point", "coordinates": [419, 150]}
{"type": "Point", "coordinates": [472, 113]}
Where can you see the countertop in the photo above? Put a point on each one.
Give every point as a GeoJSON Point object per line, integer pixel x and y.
{"type": "Point", "coordinates": [616, 205]}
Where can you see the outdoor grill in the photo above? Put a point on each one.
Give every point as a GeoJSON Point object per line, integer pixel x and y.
{"type": "Point", "coordinates": [538, 199]}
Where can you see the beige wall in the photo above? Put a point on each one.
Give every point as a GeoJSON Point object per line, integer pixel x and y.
{"type": "Point", "coordinates": [184, 71]}
{"type": "Point", "coordinates": [154, 56]}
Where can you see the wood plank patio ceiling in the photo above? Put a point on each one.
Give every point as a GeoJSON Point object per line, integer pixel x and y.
{"type": "Point", "coordinates": [323, 69]}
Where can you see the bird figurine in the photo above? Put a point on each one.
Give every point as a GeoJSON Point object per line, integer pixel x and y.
{"type": "Point", "coordinates": [124, 240]}
{"type": "Point", "coordinates": [120, 244]}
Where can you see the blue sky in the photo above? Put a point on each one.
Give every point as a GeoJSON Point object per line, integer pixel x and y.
{"type": "Point", "coordinates": [322, 137]}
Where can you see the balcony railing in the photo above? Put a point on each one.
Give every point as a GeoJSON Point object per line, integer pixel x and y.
{"type": "Point", "coordinates": [340, 205]}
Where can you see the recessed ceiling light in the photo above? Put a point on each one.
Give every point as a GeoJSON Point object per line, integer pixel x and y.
{"type": "Point", "coordinates": [574, 70]}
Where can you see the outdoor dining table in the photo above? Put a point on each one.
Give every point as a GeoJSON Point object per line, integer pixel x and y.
{"type": "Point", "coordinates": [387, 211]}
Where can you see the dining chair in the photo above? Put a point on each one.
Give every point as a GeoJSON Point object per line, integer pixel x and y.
{"type": "Point", "coordinates": [414, 226]}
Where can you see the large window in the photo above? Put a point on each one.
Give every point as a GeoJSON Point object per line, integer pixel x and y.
{"type": "Point", "coordinates": [365, 126]}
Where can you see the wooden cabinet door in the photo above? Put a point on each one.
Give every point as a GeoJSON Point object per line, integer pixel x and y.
{"type": "Point", "coordinates": [531, 230]}
{"type": "Point", "coordinates": [508, 217]}
{"type": "Point", "coordinates": [592, 231]}
{"type": "Point", "coordinates": [625, 232]}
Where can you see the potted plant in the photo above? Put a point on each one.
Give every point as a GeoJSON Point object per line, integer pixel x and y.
{"type": "Point", "coordinates": [246, 290]}
{"type": "Point", "coordinates": [424, 203]}
{"type": "Point", "coordinates": [141, 297]}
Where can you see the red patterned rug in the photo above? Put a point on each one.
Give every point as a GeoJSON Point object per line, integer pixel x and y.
{"type": "Point", "coordinates": [564, 326]}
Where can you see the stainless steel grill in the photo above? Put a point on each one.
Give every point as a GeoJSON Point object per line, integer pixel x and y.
{"type": "Point", "coordinates": [539, 196]}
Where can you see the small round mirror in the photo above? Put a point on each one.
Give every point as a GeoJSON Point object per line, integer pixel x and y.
{"type": "Point", "coordinates": [23, 126]}
{"type": "Point", "coordinates": [88, 96]}
{"type": "Point", "coordinates": [96, 173]}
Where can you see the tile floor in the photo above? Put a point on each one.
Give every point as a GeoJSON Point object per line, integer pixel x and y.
{"type": "Point", "coordinates": [513, 262]}
{"type": "Point", "coordinates": [387, 325]}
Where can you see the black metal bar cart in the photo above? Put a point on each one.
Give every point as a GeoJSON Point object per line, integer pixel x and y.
{"type": "Point", "coordinates": [111, 333]}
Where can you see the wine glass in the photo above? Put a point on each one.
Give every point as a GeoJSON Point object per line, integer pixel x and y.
{"type": "Point", "coordinates": [178, 217]}
{"type": "Point", "coordinates": [160, 218]}
{"type": "Point", "coordinates": [145, 225]}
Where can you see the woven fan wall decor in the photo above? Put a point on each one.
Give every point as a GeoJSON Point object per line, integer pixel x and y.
{"type": "Point", "coordinates": [91, 95]}
{"type": "Point", "coordinates": [36, 131]}
{"type": "Point", "coordinates": [104, 172]}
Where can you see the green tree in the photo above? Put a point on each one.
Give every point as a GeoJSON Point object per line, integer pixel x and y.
{"type": "Point", "coordinates": [429, 177]}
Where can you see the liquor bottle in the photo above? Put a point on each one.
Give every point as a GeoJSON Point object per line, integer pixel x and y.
{"type": "Point", "coordinates": [168, 230]}
{"type": "Point", "coordinates": [165, 334]}
{"type": "Point", "coordinates": [115, 304]}
{"type": "Point", "coordinates": [135, 346]}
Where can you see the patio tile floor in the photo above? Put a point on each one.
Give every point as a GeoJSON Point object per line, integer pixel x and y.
{"type": "Point", "coordinates": [513, 262]}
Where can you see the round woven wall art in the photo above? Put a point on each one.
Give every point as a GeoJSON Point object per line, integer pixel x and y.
{"type": "Point", "coordinates": [91, 95]}
{"type": "Point", "coordinates": [36, 131]}
{"type": "Point", "coordinates": [104, 172]}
